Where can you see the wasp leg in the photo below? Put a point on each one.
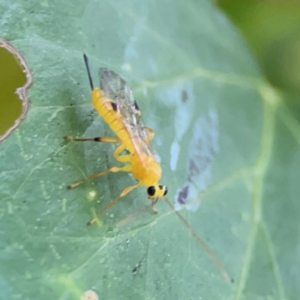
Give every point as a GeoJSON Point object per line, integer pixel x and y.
{"type": "Point", "coordinates": [121, 158]}
{"type": "Point", "coordinates": [126, 168]}
{"type": "Point", "coordinates": [113, 202]}
{"type": "Point", "coordinates": [103, 139]}
{"type": "Point", "coordinates": [150, 134]}
{"type": "Point", "coordinates": [153, 207]}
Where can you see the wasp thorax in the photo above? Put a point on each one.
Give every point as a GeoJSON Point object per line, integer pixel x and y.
{"type": "Point", "coordinates": [146, 169]}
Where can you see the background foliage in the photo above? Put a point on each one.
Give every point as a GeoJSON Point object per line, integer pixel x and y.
{"type": "Point", "coordinates": [250, 211]}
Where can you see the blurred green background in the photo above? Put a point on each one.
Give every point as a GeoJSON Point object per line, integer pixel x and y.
{"type": "Point", "coordinates": [249, 215]}
{"type": "Point", "coordinates": [272, 29]}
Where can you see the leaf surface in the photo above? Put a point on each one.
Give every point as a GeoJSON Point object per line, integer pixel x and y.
{"type": "Point", "coordinates": [183, 62]}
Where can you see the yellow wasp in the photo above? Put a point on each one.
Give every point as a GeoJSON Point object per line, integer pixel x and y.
{"type": "Point", "coordinates": [115, 104]}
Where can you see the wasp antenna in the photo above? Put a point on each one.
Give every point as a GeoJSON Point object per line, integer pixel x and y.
{"type": "Point", "coordinates": [86, 61]}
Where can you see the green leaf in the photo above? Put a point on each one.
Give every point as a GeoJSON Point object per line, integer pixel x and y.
{"type": "Point", "coordinates": [185, 63]}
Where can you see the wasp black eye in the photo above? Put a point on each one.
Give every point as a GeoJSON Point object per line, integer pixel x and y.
{"type": "Point", "coordinates": [151, 190]}
{"type": "Point", "coordinates": [166, 191]}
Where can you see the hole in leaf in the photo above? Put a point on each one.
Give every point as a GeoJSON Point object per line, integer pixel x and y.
{"type": "Point", "coordinates": [15, 80]}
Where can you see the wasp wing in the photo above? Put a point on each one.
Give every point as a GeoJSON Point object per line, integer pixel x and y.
{"type": "Point", "coordinates": [120, 93]}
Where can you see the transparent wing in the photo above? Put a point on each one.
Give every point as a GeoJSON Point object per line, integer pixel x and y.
{"type": "Point", "coordinates": [120, 93]}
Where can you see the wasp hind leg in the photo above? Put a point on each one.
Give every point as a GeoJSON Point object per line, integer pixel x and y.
{"type": "Point", "coordinates": [103, 139]}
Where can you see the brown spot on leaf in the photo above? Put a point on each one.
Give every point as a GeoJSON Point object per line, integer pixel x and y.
{"type": "Point", "coordinates": [183, 194]}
